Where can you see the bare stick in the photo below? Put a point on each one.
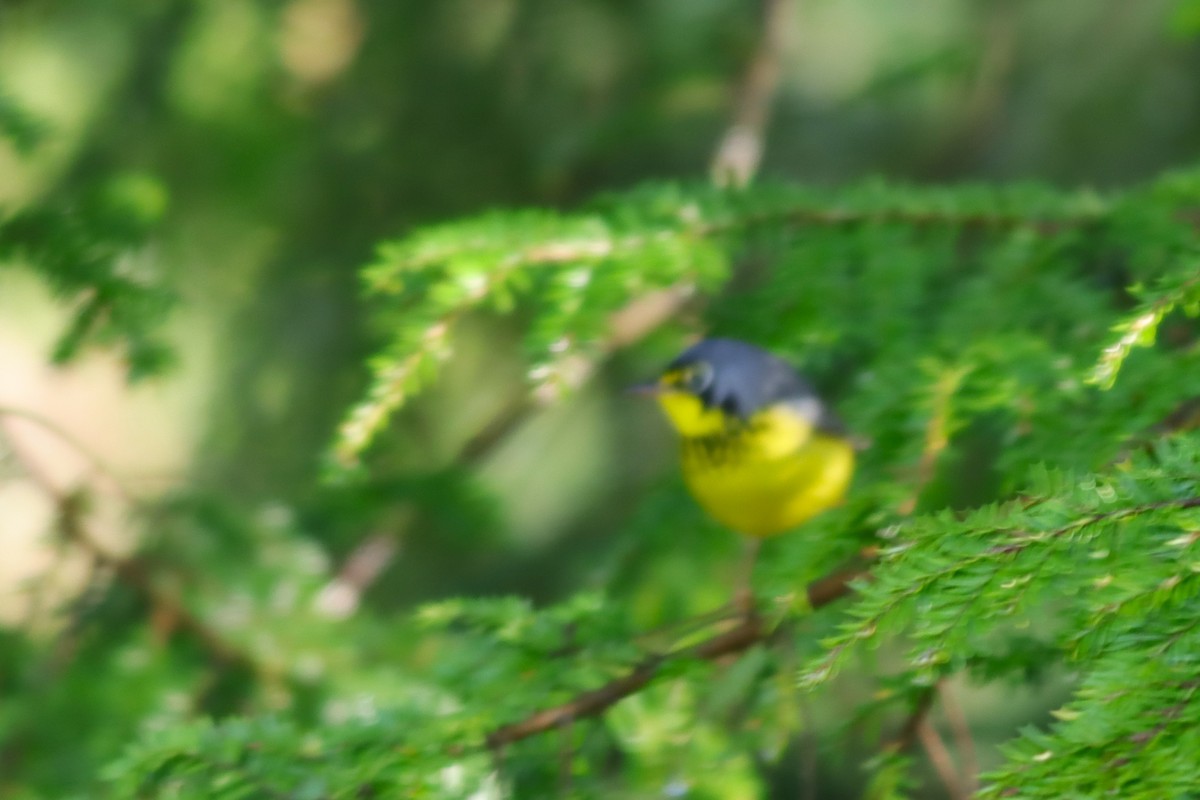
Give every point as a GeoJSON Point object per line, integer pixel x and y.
{"type": "Point", "coordinates": [963, 741]}
{"type": "Point", "coordinates": [939, 756]}
{"type": "Point", "coordinates": [71, 505]}
{"type": "Point", "coordinates": [340, 597]}
{"type": "Point", "coordinates": [741, 147]}
{"type": "Point", "coordinates": [97, 464]}
{"type": "Point", "coordinates": [917, 728]}
{"type": "Point", "coordinates": [743, 592]}
{"type": "Point", "coordinates": [908, 733]}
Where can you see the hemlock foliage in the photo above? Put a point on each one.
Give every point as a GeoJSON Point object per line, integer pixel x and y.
{"type": "Point", "coordinates": [1047, 331]}
{"type": "Point", "coordinates": [1022, 362]}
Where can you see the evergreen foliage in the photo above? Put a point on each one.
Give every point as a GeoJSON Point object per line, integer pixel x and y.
{"type": "Point", "coordinates": [1018, 362]}
{"type": "Point", "coordinates": [1037, 338]}
{"type": "Point", "coordinates": [84, 246]}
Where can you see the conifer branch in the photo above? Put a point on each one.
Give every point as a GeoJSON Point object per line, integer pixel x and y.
{"type": "Point", "coordinates": [749, 630]}
{"type": "Point", "coordinates": [1017, 540]}
{"type": "Point", "coordinates": [71, 507]}
{"type": "Point", "coordinates": [1022, 539]}
{"type": "Point", "coordinates": [918, 729]}
{"type": "Point", "coordinates": [589, 263]}
{"type": "Point", "coordinates": [1185, 416]}
{"type": "Point", "coordinates": [164, 605]}
{"type": "Point", "coordinates": [628, 325]}
{"type": "Point", "coordinates": [1140, 329]}
{"type": "Point", "coordinates": [574, 249]}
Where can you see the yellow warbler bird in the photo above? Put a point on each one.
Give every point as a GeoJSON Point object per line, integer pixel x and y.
{"type": "Point", "coordinates": [761, 452]}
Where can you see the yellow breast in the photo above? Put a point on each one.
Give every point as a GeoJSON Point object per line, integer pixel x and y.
{"type": "Point", "coordinates": [768, 475]}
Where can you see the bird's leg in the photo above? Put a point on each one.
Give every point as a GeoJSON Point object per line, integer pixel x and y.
{"type": "Point", "coordinates": [743, 593]}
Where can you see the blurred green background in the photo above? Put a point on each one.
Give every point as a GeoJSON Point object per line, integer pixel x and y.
{"type": "Point", "coordinates": [275, 143]}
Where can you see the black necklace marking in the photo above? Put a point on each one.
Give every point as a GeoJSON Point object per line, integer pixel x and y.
{"type": "Point", "coordinates": [730, 446]}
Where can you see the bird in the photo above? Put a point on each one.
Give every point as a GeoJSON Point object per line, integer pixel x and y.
{"type": "Point", "coordinates": [760, 451]}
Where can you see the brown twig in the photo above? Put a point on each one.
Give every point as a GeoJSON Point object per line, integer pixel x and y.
{"type": "Point", "coordinates": [1184, 417]}
{"type": "Point", "coordinates": [97, 464]}
{"type": "Point", "coordinates": [738, 155]}
{"type": "Point", "coordinates": [918, 729]}
{"type": "Point", "coordinates": [983, 98]}
{"type": "Point", "coordinates": [939, 757]}
{"type": "Point", "coordinates": [632, 322]}
{"type": "Point", "coordinates": [71, 505]}
{"type": "Point", "coordinates": [964, 743]}
{"type": "Point", "coordinates": [629, 324]}
{"type": "Point", "coordinates": [166, 606]}
{"type": "Point", "coordinates": [748, 632]}
{"type": "Point", "coordinates": [340, 597]}
{"type": "Point", "coordinates": [567, 251]}
{"type": "Point", "coordinates": [132, 572]}
{"type": "Point", "coordinates": [907, 736]}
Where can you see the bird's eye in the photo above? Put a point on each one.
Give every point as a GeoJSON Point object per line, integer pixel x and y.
{"type": "Point", "coordinates": [698, 377]}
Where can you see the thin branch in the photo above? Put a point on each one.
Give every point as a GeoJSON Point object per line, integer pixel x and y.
{"type": "Point", "coordinates": [939, 757]}
{"type": "Point", "coordinates": [340, 597]}
{"type": "Point", "coordinates": [1019, 541]}
{"type": "Point", "coordinates": [674, 631]}
{"type": "Point", "coordinates": [132, 572]}
{"type": "Point", "coordinates": [740, 150]}
{"type": "Point", "coordinates": [918, 729]}
{"type": "Point", "coordinates": [576, 249]}
{"type": "Point", "coordinates": [627, 325]}
{"type": "Point", "coordinates": [907, 736]}
{"type": "Point", "coordinates": [98, 465]}
{"type": "Point", "coordinates": [1024, 540]}
{"type": "Point", "coordinates": [748, 632]}
{"type": "Point", "coordinates": [513, 416]}
{"type": "Point", "coordinates": [964, 743]}
{"type": "Point", "coordinates": [1184, 417]}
